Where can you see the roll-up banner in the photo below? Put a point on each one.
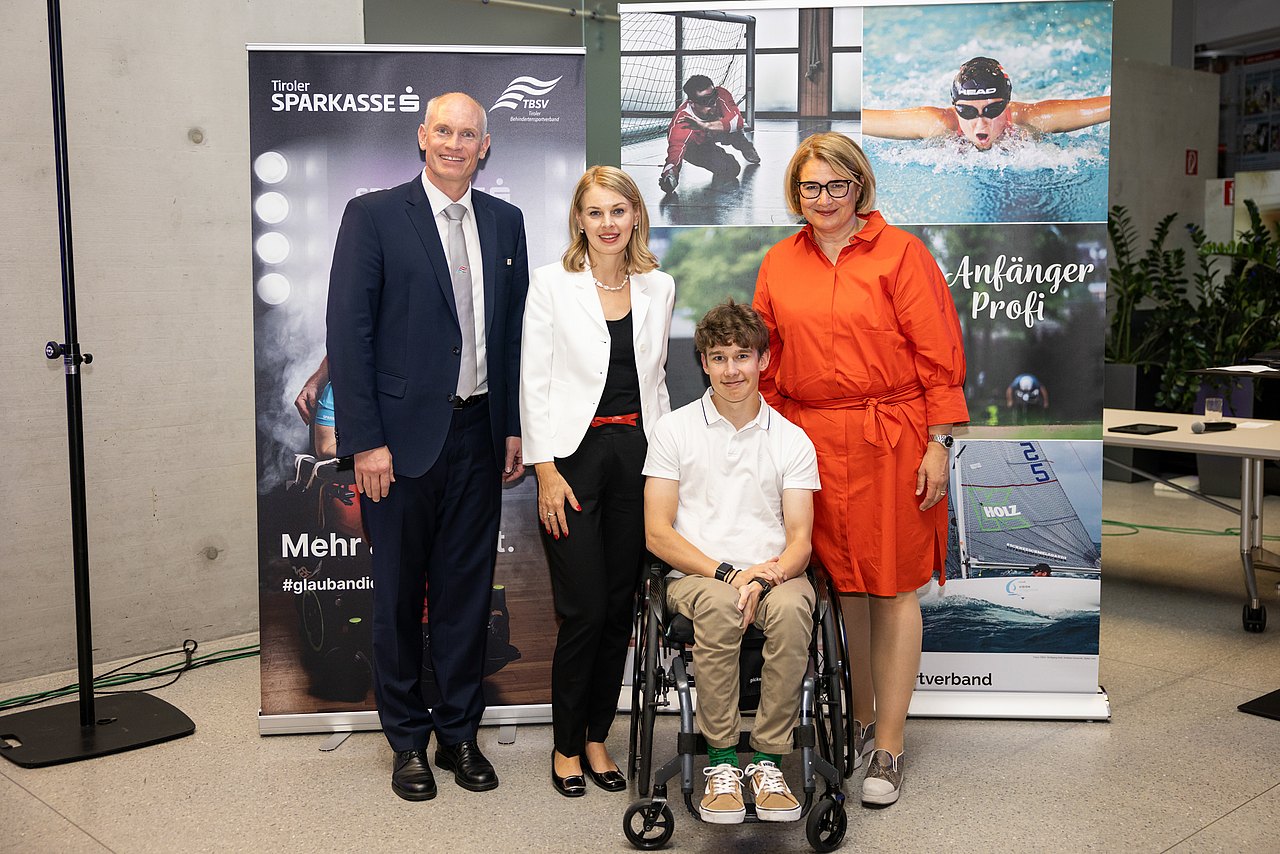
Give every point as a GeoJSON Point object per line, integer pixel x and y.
{"type": "Point", "coordinates": [327, 123]}
{"type": "Point", "coordinates": [1008, 192]}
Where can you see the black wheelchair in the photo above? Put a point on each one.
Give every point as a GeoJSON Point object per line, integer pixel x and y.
{"type": "Point", "coordinates": [661, 663]}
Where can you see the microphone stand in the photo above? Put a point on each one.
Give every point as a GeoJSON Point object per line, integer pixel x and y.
{"type": "Point", "coordinates": [115, 722]}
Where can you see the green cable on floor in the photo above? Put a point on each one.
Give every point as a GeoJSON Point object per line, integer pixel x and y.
{"type": "Point", "coordinates": [114, 678]}
{"type": "Point", "coordinates": [1135, 528]}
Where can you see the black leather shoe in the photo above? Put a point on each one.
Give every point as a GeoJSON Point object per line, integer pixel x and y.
{"type": "Point", "coordinates": [411, 776]}
{"type": "Point", "coordinates": [572, 786]}
{"type": "Point", "coordinates": [610, 781]}
{"type": "Point", "coordinates": [470, 769]}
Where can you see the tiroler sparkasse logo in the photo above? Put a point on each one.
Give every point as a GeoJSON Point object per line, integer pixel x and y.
{"type": "Point", "coordinates": [525, 97]}
{"type": "Point", "coordinates": [289, 96]}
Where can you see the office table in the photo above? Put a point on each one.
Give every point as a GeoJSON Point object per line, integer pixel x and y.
{"type": "Point", "coordinates": [1253, 446]}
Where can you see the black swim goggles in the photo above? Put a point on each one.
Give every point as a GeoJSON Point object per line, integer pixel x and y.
{"type": "Point", "coordinates": [990, 111]}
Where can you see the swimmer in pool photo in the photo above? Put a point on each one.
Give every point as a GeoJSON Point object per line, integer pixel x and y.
{"type": "Point", "coordinates": [982, 111]}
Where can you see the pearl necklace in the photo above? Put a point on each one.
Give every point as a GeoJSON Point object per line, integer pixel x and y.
{"type": "Point", "coordinates": [625, 281]}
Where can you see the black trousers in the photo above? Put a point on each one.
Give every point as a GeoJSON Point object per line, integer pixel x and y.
{"type": "Point", "coordinates": [594, 572]}
{"type": "Point", "coordinates": [435, 535]}
{"type": "Point", "coordinates": [715, 159]}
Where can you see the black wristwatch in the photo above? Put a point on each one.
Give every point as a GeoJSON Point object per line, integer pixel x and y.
{"type": "Point", "coordinates": [765, 586]}
{"type": "Point", "coordinates": [723, 571]}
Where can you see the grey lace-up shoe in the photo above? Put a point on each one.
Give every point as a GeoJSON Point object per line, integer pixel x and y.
{"type": "Point", "coordinates": [884, 779]}
{"type": "Point", "coordinates": [864, 741]}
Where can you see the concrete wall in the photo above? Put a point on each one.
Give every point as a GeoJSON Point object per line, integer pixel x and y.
{"type": "Point", "coordinates": [158, 130]}
{"type": "Point", "coordinates": [1157, 114]}
{"type": "Point", "coordinates": [1219, 21]}
{"type": "Point", "coordinates": [1143, 30]}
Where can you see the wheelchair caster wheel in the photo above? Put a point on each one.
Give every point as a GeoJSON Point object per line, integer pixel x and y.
{"type": "Point", "coordinates": [826, 824]}
{"type": "Point", "coordinates": [649, 825]}
{"type": "Point", "coordinates": [1255, 619]}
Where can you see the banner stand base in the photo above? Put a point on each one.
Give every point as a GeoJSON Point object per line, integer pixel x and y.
{"type": "Point", "coordinates": [367, 721]}
{"type": "Point", "coordinates": [1011, 705]}
{"type": "Point", "coordinates": [53, 735]}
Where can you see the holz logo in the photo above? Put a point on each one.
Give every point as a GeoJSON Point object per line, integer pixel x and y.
{"type": "Point", "coordinates": [523, 91]}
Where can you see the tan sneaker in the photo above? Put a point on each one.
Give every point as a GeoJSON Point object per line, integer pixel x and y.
{"type": "Point", "coordinates": [864, 741]}
{"type": "Point", "coordinates": [722, 797]}
{"type": "Point", "coordinates": [774, 801]}
{"type": "Point", "coordinates": [884, 779]}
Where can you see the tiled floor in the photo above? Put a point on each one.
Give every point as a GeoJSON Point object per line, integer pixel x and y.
{"type": "Point", "coordinates": [1177, 768]}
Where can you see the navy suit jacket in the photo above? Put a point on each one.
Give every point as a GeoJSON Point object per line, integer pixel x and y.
{"type": "Point", "coordinates": [394, 342]}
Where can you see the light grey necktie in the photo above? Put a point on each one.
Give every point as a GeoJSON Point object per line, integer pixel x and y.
{"type": "Point", "coordinates": [460, 271]}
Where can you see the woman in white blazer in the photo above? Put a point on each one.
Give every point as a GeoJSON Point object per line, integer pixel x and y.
{"type": "Point", "coordinates": [592, 385]}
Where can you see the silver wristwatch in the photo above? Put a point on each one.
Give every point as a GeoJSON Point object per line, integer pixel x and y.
{"type": "Point", "coordinates": [944, 439]}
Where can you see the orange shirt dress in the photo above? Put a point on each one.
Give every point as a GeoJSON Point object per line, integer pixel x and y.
{"type": "Point", "coordinates": [864, 355]}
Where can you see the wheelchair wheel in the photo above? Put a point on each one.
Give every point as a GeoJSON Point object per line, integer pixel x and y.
{"type": "Point", "coordinates": [649, 825]}
{"type": "Point", "coordinates": [637, 683]}
{"type": "Point", "coordinates": [826, 824]}
{"type": "Point", "coordinates": [835, 692]}
{"type": "Point", "coordinates": [651, 683]}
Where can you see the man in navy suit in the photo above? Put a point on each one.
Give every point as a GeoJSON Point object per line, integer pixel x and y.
{"type": "Point", "coordinates": [426, 299]}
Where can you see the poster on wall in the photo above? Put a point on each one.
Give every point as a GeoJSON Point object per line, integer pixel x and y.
{"type": "Point", "coordinates": [1009, 123]}
{"type": "Point", "coordinates": [715, 99]}
{"type": "Point", "coordinates": [328, 124]}
{"type": "Point", "coordinates": [988, 129]}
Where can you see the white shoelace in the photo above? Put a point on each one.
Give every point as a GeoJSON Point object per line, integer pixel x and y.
{"type": "Point", "coordinates": [767, 777]}
{"type": "Point", "coordinates": [724, 779]}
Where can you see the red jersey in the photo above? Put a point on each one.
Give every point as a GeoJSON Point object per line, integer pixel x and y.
{"type": "Point", "coordinates": [680, 134]}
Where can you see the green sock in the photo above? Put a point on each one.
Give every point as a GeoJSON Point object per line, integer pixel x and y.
{"type": "Point", "coordinates": [722, 756]}
{"type": "Point", "coordinates": [775, 758]}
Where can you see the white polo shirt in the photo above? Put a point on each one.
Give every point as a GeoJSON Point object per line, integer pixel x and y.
{"type": "Point", "coordinates": [731, 481]}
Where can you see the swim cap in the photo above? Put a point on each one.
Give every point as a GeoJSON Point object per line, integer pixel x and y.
{"type": "Point", "coordinates": [979, 79]}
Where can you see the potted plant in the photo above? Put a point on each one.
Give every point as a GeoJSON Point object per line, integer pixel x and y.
{"type": "Point", "coordinates": [1146, 295]}
{"type": "Point", "coordinates": [1231, 312]}
{"type": "Point", "coordinates": [1237, 290]}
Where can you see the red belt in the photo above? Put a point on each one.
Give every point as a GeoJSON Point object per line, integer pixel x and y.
{"type": "Point", "coordinates": [604, 420]}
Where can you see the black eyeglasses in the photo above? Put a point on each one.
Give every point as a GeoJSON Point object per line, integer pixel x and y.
{"type": "Point", "coordinates": [704, 100]}
{"type": "Point", "coordinates": [990, 111]}
{"type": "Point", "coordinates": [835, 189]}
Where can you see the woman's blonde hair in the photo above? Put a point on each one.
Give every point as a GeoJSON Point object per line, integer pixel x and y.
{"type": "Point", "coordinates": [637, 257]}
{"type": "Point", "coordinates": [844, 156]}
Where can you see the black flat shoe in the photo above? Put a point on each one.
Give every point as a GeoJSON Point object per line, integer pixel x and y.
{"type": "Point", "coordinates": [471, 770]}
{"type": "Point", "coordinates": [610, 781]}
{"type": "Point", "coordinates": [411, 776]}
{"type": "Point", "coordinates": [572, 786]}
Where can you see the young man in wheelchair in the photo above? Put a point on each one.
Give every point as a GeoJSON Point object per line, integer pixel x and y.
{"type": "Point", "coordinates": [729, 506]}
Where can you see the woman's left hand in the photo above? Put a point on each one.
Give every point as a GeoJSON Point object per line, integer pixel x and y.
{"type": "Point", "coordinates": [931, 477]}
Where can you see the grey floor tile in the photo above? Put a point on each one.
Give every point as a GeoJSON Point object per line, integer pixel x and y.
{"type": "Point", "coordinates": [1127, 683]}
{"type": "Point", "coordinates": [28, 824]}
{"type": "Point", "coordinates": [1249, 827]}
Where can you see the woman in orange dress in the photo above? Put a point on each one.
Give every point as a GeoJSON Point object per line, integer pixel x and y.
{"type": "Point", "coordinates": [866, 357]}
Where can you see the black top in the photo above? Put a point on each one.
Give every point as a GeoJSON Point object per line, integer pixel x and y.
{"type": "Point", "coordinates": [621, 394]}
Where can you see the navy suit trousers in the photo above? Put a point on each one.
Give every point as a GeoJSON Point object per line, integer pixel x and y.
{"type": "Point", "coordinates": [436, 534]}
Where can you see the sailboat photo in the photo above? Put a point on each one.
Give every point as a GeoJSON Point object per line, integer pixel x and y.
{"type": "Point", "coordinates": [1021, 563]}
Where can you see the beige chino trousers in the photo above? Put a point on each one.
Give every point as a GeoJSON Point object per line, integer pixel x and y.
{"type": "Point", "coordinates": [785, 616]}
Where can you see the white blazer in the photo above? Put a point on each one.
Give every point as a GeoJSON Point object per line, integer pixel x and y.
{"type": "Point", "coordinates": [564, 356]}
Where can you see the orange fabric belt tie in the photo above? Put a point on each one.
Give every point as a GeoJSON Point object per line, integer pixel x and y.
{"type": "Point", "coordinates": [604, 420]}
{"type": "Point", "coordinates": [878, 424]}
